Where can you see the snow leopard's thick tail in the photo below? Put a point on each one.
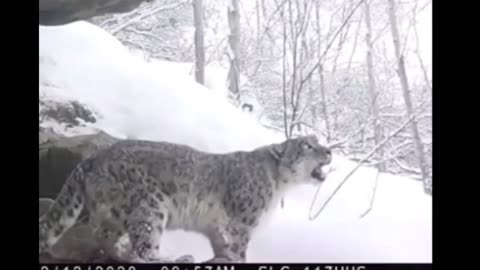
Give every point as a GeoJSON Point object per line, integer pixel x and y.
{"type": "Point", "coordinates": [62, 214]}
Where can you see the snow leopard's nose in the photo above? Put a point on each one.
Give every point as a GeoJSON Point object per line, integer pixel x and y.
{"type": "Point", "coordinates": [326, 154]}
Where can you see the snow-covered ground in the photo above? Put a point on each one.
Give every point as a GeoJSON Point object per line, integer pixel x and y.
{"type": "Point", "coordinates": [159, 101]}
{"type": "Point", "coordinates": [133, 98]}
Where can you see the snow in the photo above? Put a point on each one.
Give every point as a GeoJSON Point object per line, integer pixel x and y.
{"type": "Point", "coordinates": [215, 76]}
{"type": "Point", "coordinates": [159, 101]}
{"type": "Point", "coordinates": [137, 99]}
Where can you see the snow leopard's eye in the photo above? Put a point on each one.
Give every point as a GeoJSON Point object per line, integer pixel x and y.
{"type": "Point", "coordinates": [306, 146]}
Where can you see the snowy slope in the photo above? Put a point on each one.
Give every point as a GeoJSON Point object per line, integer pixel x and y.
{"type": "Point", "coordinates": [138, 99]}
{"type": "Point", "coordinates": [133, 98]}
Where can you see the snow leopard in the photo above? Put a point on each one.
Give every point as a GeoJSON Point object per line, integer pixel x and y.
{"type": "Point", "coordinates": [136, 190]}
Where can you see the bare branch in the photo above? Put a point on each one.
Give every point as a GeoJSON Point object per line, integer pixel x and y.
{"type": "Point", "coordinates": [406, 168]}
{"type": "Point", "coordinates": [273, 128]}
{"type": "Point", "coordinates": [373, 195]}
{"type": "Point", "coordinates": [145, 33]}
{"type": "Point", "coordinates": [417, 52]}
{"type": "Point", "coordinates": [310, 73]}
{"type": "Point", "coordinates": [301, 123]}
{"type": "Point", "coordinates": [140, 17]}
{"type": "Point", "coordinates": [355, 40]}
{"type": "Point", "coordinates": [410, 119]}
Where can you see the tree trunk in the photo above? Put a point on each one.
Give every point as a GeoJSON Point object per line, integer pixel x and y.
{"type": "Point", "coordinates": [372, 85]}
{"type": "Point", "coordinates": [320, 73]}
{"type": "Point", "coordinates": [257, 12]}
{"type": "Point", "coordinates": [417, 49]}
{"type": "Point", "coordinates": [294, 35]}
{"type": "Point", "coordinates": [234, 40]}
{"type": "Point", "coordinates": [199, 42]}
{"type": "Point", "coordinates": [284, 77]}
{"type": "Point", "coordinates": [402, 74]}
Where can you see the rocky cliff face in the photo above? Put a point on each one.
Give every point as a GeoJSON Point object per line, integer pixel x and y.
{"type": "Point", "coordinates": [58, 12]}
{"type": "Point", "coordinates": [58, 155]}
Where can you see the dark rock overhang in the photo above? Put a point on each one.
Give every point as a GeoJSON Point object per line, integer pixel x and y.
{"type": "Point", "coordinates": [59, 12]}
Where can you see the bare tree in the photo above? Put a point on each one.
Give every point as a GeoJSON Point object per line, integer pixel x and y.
{"type": "Point", "coordinates": [234, 40]}
{"type": "Point", "coordinates": [402, 74]}
{"type": "Point", "coordinates": [199, 42]}
{"type": "Point", "coordinates": [371, 83]}
{"type": "Point", "coordinates": [155, 28]}
{"type": "Point", "coordinates": [321, 75]}
{"type": "Point", "coordinates": [302, 69]}
{"type": "Point", "coordinates": [417, 47]}
{"type": "Point", "coordinates": [257, 13]}
{"type": "Point", "coordinates": [295, 21]}
{"type": "Point", "coordinates": [284, 76]}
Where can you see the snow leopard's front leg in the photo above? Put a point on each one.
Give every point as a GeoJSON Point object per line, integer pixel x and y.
{"type": "Point", "coordinates": [229, 243]}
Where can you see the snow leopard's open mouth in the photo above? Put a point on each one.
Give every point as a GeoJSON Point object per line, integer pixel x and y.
{"type": "Point", "coordinates": [323, 168]}
{"type": "Point", "coordinates": [321, 172]}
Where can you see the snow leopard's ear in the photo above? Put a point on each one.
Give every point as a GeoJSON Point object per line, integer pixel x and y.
{"type": "Point", "coordinates": [276, 151]}
{"type": "Point", "coordinates": [282, 152]}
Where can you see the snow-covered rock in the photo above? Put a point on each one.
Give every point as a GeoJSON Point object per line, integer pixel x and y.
{"type": "Point", "coordinates": [58, 12]}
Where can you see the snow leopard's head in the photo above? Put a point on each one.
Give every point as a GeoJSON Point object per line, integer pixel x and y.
{"type": "Point", "coordinates": [301, 159]}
